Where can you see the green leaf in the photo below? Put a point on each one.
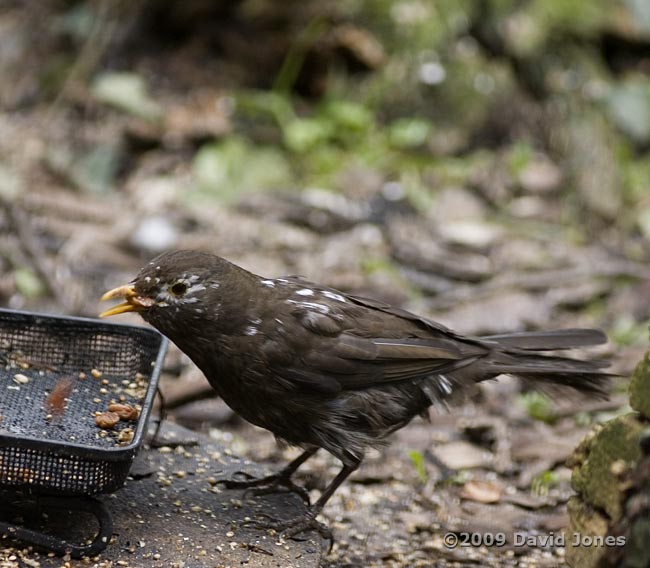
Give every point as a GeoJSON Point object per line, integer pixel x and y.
{"type": "Point", "coordinates": [127, 92]}
{"type": "Point", "coordinates": [225, 169]}
{"type": "Point", "coordinates": [265, 103]}
{"type": "Point", "coordinates": [77, 21]}
{"type": "Point", "coordinates": [95, 170]}
{"type": "Point", "coordinates": [303, 134]}
{"type": "Point", "coordinates": [519, 156]}
{"type": "Point", "coordinates": [349, 115]}
{"type": "Point", "coordinates": [417, 459]}
{"type": "Point", "coordinates": [28, 283]}
{"type": "Point", "coordinates": [409, 132]}
{"type": "Point", "coordinates": [543, 482]}
{"type": "Point", "coordinates": [538, 406]}
{"type": "Point", "coordinates": [92, 171]}
{"type": "Point", "coordinates": [628, 105]}
{"type": "Point", "coordinates": [627, 331]}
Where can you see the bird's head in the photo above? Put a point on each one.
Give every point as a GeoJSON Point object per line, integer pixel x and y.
{"type": "Point", "coordinates": [174, 290]}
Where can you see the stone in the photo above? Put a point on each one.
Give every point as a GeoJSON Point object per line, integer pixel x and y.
{"type": "Point", "coordinates": [594, 478]}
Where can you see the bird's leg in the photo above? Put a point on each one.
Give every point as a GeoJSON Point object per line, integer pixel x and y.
{"type": "Point", "coordinates": [271, 483]}
{"type": "Point", "coordinates": [307, 521]}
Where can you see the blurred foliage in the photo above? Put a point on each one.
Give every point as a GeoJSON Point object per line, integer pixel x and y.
{"type": "Point", "coordinates": [128, 92]}
{"type": "Point", "coordinates": [92, 170]}
{"type": "Point", "coordinates": [336, 134]}
{"type": "Point", "coordinates": [538, 406]}
{"type": "Point", "coordinates": [28, 284]}
{"type": "Point", "coordinates": [225, 169]}
{"type": "Point", "coordinates": [416, 115]}
{"type": "Point", "coordinates": [428, 93]}
{"type": "Point", "coordinates": [628, 103]}
{"type": "Point", "coordinates": [417, 459]}
{"type": "Point", "coordinates": [627, 331]}
{"type": "Point", "coordinates": [543, 482]}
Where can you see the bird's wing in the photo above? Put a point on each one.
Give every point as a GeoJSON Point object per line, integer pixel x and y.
{"type": "Point", "coordinates": [549, 340]}
{"type": "Point", "coordinates": [341, 342]}
{"type": "Point", "coordinates": [421, 321]}
{"type": "Point", "coordinates": [361, 343]}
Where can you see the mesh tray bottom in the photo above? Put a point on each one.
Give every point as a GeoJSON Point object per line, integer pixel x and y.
{"type": "Point", "coordinates": [72, 475]}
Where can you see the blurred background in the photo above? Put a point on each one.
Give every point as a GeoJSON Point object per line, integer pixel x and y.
{"type": "Point", "coordinates": [483, 162]}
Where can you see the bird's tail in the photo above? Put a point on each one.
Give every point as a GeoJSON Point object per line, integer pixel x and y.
{"type": "Point", "coordinates": [518, 354]}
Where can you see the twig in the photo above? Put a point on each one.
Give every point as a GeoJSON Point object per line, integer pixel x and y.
{"type": "Point", "coordinates": [35, 253]}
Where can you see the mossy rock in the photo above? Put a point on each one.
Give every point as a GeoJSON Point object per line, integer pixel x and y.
{"type": "Point", "coordinates": [637, 553]}
{"type": "Point", "coordinates": [632, 532]}
{"type": "Point", "coordinates": [601, 458]}
{"type": "Point", "coordinates": [640, 387]}
{"type": "Point", "coordinates": [585, 520]}
{"type": "Point", "coordinates": [599, 462]}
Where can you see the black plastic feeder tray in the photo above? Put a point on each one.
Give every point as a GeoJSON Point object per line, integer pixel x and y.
{"type": "Point", "coordinates": [53, 456]}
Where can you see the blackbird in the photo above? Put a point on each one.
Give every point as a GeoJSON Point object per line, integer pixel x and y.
{"type": "Point", "coordinates": [323, 369]}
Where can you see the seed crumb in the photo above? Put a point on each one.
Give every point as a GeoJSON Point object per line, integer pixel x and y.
{"type": "Point", "coordinates": [107, 420]}
{"type": "Point", "coordinates": [21, 379]}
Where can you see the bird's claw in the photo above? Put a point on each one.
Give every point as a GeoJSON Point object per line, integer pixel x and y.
{"type": "Point", "coordinates": [246, 482]}
{"type": "Point", "coordinates": [265, 485]}
{"type": "Point", "coordinates": [282, 483]}
{"type": "Point", "coordinates": [289, 529]}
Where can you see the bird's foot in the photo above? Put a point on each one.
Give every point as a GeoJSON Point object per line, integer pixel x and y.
{"type": "Point", "coordinates": [265, 485]}
{"type": "Point", "coordinates": [292, 527]}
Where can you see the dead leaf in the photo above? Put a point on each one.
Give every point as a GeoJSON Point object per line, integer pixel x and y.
{"type": "Point", "coordinates": [463, 455]}
{"type": "Point", "coordinates": [481, 491]}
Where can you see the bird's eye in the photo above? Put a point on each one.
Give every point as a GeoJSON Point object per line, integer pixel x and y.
{"type": "Point", "coordinates": [178, 288]}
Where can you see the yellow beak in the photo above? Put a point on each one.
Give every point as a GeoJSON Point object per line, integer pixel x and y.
{"type": "Point", "coordinates": [133, 303]}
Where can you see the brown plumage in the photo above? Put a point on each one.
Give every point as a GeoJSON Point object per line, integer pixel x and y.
{"type": "Point", "coordinates": [323, 369]}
